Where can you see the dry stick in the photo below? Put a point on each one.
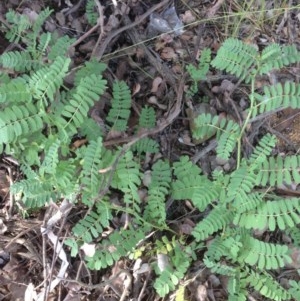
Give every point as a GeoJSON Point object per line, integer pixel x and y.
{"type": "Point", "coordinates": [144, 287]}
{"type": "Point", "coordinates": [74, 8]}
{"type": "Point", "coordinates": [54, 257]}
{"type": "Point", "coordinates": [100, 22]}
{"type": "Point", "coordinates": [100, 51]}
{"type": "Point", "coordinates": [127, 285]}
{"type": "Point", "coordinates": [83, 37]}
{"type": "Point", "coordinates": [103, 284]}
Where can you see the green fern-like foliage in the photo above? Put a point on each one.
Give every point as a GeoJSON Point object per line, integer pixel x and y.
{"type": "Point", "coordinates": [27, 31]}
{"type": "Point", "coordinates": [19, 120]}
{"type": "Point", "coordinates": [199, 73]}
{"type": "Point", "coordinates": [92, 225]}
{"type": "Point", "coordinates": [265, 256]}
{"type": "Point", "coordinates": [240, 184]}
{"type": "Point", "coordinates": [191, 185]}
{"type": "Point", "coordinates": [91, 14]}
{"type": "Point", "coordinates": [294, 290]}
{"type": "Point", "coordinates": [294, 234]}
{"type": "Point", "coordinates": [92, 163]}
{"type": "Point", "coordinates": [147, 120]}
{"type": "Point", "coordinates": [119, 244]}
{"type": "Point", "coordinates": [279, 96]}
{"type": "Point", "coordinates": [44, 83]}
{"type": "Point", "coordinates": [15, 91]}
{"type": "Point", "coordinates": [215, 221]}
{"type": "Point", "coordinates": [19, 25]}
{"type": "Point", "coordinates": [178, 263]}
{"type": "Point", "coordinates": [159, 187]}
{"type": "Point", "coordinates": [18, 61]}
{"type": "Point", "coordinates": [41, 118]}
{"type": "Point", "coordinates": [84, 96]}
{"type": "Point", "coordinates": [228, 132]}
{"type": "Point", "coordinates": [236, 58]}
{"type": "Point", "coordinates": [121, 103]}
{"type": "Point", "coordinates": [89, 68]}
{"type": "Point", "coordinates": [280, 214]}
{"type": "Point", "coordinates": [127, 178]}
{"type": "Point", "coordinates": [277, 170]}
{"type": "Point", "coordinates": [275, 57]}
{"type": "Point", "coordinates": [265, 285]}
{"type": "Point", "coordinates": [146, 145]}
{"type": "Point", "coordinates": [59, 46]}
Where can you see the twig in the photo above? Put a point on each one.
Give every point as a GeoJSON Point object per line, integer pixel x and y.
{"type": "Point", "coordinates": [100, 23]}
{"type": "Point", "coordinates": [74, 8]}
{"type": "Point", "coordinates": [84, 36]}
{"type": "Point", "coordinates": [144, 287]}
{"type": "Point", "coordinates": [100, 51]}
{"type": "Point", "coordinates": [212, 144]}
{"type": "Point", "coordinates": [55, 254]}
{"type": "Point", "coordinates": [127, 284]}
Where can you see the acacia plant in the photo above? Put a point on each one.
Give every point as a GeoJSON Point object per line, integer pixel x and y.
{"type": "Point", "coordinates": [40, 118]}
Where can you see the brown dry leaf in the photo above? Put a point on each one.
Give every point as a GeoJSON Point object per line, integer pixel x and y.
{"type": "Point", "coordinates": [168, 53]}
{"type": "Point", "coordinates": [139, 53]}
{"type": "Point", "coordinates": [163, 41]}
{"type": "Point", "coordinates": [188, 17]}
{"type": "Point", "coordinates": [114, 134]}
{"type": "Point", "coordinates": [87, 47]}
{"type": "Point", "coordinates": [136, 89]}
{"type": "Point", "coordinates": [118, 277]}
{"type": "Point", "coordinates": [159, 45]}
{"type": "Point", "coordinates": [186, 228]}
{"type": "Point", "coordinates": [61, 19]}
{"type": "Point", "coordinates": [153, 100]}
{"type": "Point", "coordinates": [78, 143]}
{"type": "Point", "coordinates": [155, 84]}
{"type": "Point", "coordinates": [186, 138]}
{"type": "Point", "coordinates": [4, 184]}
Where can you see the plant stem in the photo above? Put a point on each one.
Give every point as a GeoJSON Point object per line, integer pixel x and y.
{"type": "Point", "coordinates": [239, 143]}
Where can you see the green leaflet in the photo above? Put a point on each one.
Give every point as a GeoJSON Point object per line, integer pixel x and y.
{"type": "Point", "coordinates": [120, 110]}
{"type": "Point", "coordinates": [264, 255]}
{"type": "Point", "coordinates": [277, 170]}
{"type": "Point", "coordinates": [280, 214]}
{"type": "Point", "coordinates": [227, 132]}
{"type": "Point", "coordinates": [19, 120]}
{"type": "Point", "coordinates": [84, 96]}
{"type": "Point", "coordinates": [157, 191]}
{"type": "Point", "coordinates": [236, 58]}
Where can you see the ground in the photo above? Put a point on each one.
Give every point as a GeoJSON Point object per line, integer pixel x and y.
{"type": "Point", "coordinates": [141, 47]}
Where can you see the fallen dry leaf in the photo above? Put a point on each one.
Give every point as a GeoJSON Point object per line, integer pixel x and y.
{"type": "Point", "coordinates": [155, 84]}
{"type": "Point", "coordinates": [188, 17]}
{"type": "Point", "coordinates": [168, 53]}
{"type": "Point", "coordinates": [136, 89]}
